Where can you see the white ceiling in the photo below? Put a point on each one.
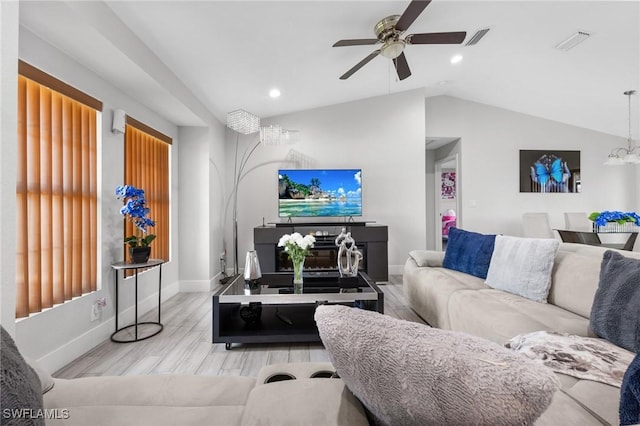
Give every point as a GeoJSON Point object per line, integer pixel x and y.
{"type": "Point", "coordinates": [190, 61]}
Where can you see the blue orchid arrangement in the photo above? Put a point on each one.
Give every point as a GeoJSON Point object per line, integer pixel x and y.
{"type": "Point", "coordinates": [135, 209]}
{"type": "Point", "coordinates": [601, 218]}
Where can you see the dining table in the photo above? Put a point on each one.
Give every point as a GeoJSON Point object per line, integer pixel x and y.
{"type": "Point", "coordinates": [592, 237]}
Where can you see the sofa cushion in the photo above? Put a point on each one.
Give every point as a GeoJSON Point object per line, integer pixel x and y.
{"type": "Point", "coordinates": [320, 402]}
{"type": "Point", "coordinates": [523, 266]}
{"type": "Point", "coordinates": [615, 315]}
{"type": "Point", "coordinates": [428, 290]}
{"type": "Point", "coordinates": [415, 374]}
{"type": "Point", "coordinates": [427, 257]}
{"type": "Point", "coordinates": [498, 316]}
{"type": "Point", "coordinates": [468, 252]}
{"type": "Point", "coordinates": [157, 399]}
{"type": "Point", "coordinates": [564, 410]}
{"type": "Point", "coordinates": [21, 388]}
{"type": "Point", "coordinates": [574, 280]}
{"type": "Point", "coordinates": [601, 400]}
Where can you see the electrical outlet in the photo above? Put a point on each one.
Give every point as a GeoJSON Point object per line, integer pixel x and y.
{"type": "Point", "coordinates": [95, 312]}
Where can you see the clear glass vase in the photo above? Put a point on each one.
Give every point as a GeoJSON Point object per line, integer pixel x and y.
{"type": "Point", "coordinates": [298, 267]}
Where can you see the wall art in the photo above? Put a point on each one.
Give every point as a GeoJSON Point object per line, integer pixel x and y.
{"type": "Point", "coordinates": [549, 171]}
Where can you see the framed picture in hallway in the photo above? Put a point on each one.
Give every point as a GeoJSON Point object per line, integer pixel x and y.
{"type": "Point", "coordinates": [448, 185]}
{"type": "Point", "coordinates": [547, 171]}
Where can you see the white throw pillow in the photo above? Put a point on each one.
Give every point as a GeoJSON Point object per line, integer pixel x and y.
{"type": "Point", "coordinates": [523, 266]}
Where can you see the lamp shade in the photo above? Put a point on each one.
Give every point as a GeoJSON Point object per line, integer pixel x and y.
{"type": "Point", "coordinates": [614, 160]}
{"type": "Point", "coordinates": [631, 158]}
{"type": "Point", "coordinates": [243, 122]}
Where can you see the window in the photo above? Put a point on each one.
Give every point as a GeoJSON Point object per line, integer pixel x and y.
{"type": "Point", "coordinates": [146, 158]}
{"type": "Point", "coordinates": [56, 209]}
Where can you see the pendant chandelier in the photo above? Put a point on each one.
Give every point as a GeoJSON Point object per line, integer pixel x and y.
{"type": "Point", "coordinates": [628, 155]}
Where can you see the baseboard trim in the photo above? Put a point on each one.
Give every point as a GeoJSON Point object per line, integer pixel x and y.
{"type": "Point", "coordinates": [192, 286]}
{"type": "Point", "coordinates": [62, 355]}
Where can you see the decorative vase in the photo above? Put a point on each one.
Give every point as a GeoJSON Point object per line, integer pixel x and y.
{"type": "Point", "coordinates": [252, 273]}
{"type": "Point", "coordinates": [139, 254]}
{"type": "Point", "coordinates": [298, 267]}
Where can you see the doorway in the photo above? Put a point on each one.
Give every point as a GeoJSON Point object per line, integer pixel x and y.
{"type": "Point", "coordinates": [447, 205]}
{"type": "Point", "coordinates": [443, 195]}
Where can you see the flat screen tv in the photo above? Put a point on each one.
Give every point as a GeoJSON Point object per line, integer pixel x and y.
{"type": "Point", "coordinates": [319, 192]}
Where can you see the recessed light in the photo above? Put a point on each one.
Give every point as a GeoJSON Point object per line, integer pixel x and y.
{"type": "Point", "coordinates": [274, 93]}
{"type": "Point", "coordinates": [456, 58]}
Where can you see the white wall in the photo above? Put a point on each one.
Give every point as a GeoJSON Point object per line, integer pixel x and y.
{"type": "Point", "coordinates": [8, 153]}
{"type": "Point", "coordinates": [58, 335]}
{"type": "Point", "coordinates": [202, 168]}
{"type": "Point", "coordinates": [490, 142]}
{"type": "Point", "coordinates": [384, 136]}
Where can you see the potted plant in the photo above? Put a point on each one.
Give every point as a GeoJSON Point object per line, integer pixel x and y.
{"type": "Point", "coordinates": [601, 219]}
{"type": "Point", "coordinates": [135, 209]}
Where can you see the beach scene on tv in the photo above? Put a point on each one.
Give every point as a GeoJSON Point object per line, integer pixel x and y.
{"type": "Point", "coordinates": [319, 192]}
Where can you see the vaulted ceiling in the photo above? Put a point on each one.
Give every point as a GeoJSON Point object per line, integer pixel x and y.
{"type": "Point", "coordinates": [190, 61]}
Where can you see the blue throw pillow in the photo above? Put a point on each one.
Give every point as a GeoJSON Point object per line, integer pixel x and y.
{"type": "Point", "coordinates": [630, 394]}
{"type": "Point", "coordinates": [614, 313]}
{"type": "Point", "coordinates": [469, 252]}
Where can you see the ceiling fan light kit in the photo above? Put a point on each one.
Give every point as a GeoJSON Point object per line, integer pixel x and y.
{"type": "Point", "coordinates": [393, 49]}
{"type": "Point", "coordinates": [389, 32]}
{"type": "Point", "coordinates": [629, 155]}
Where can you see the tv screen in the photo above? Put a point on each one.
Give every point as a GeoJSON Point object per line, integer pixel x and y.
{"type": "Point", "coordinates": [319, 192]}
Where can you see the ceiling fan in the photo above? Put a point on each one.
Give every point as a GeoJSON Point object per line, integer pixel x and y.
{"type": "Point", "coordinates": [389, 31]}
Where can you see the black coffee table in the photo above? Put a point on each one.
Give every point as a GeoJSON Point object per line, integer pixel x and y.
{"type": "Point", "coordinates": [269, 311]}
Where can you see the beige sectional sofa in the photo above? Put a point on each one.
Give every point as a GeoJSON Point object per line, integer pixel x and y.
{"type": "Point", "coordinates": [281, 394]}
{"type": "Point", "coordinates": [209, 400]}
{"type": "Point", "coordinates": [454, 300]}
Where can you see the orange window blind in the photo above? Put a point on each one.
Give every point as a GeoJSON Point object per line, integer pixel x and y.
{"type": "Point", "coordinates": [56, 252]}
{"type": "Point", "coordinates": [147, 167]}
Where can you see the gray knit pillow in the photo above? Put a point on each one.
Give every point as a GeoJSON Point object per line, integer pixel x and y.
{"type": "Point", "coordinates": [410, 374]}
{"type": "Point", "coordinates": [21, 390]}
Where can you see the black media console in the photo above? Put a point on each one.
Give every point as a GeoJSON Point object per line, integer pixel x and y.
{"type": "Point", "coordinates": [371, 240]}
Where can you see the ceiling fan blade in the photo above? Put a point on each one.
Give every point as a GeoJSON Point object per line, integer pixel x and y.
{"type": "Point", "coordinates": [402, 67]}
{"type": "Point", "coordinates": [359, 65]}
{"type": "Point", "coordinates": [436, 38]}
{"type": "Point", "coordinates": [414, 9]}
{"type": "Point", "coordinates": [356, 42]}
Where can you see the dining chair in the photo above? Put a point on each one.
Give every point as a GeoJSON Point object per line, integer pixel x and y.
{"type": "Point", "coordinates": [577, 221]}
{"type": "Point", "coordinates": [536, 225]}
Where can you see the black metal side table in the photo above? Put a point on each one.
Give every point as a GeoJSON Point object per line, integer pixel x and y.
{"type": "Point", "coordinates": [123, 266]}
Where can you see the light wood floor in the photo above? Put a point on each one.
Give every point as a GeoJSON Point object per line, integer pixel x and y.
{"type": "Point", "coordinates": [184, 346]}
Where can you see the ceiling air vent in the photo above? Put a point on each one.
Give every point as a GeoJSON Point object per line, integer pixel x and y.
{"type": "Point", "coordinates": [477, 37]}
{"type": "Point", "coordinates": [573, 41]}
